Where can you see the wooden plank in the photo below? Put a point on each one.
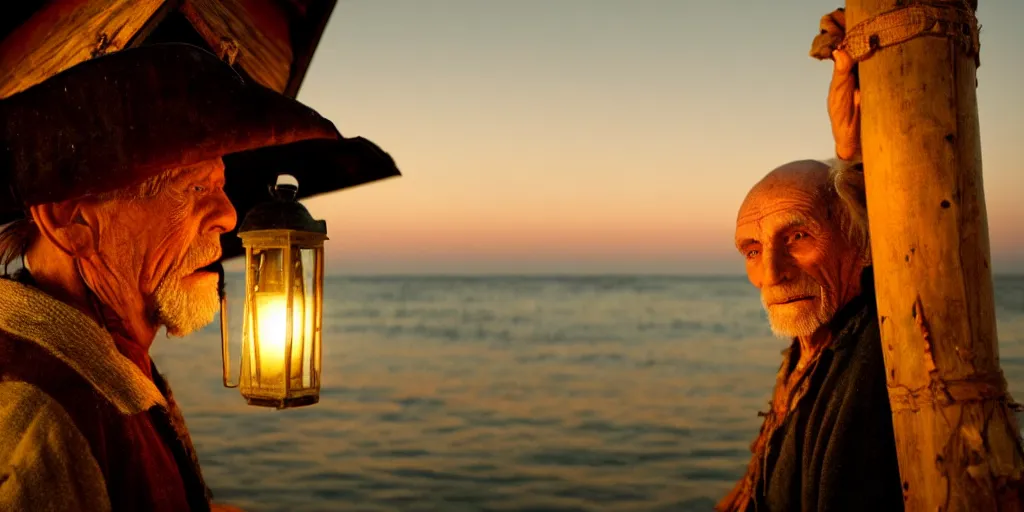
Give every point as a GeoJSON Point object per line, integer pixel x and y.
{"type": "Point", "coordinates": [957, 439]}
{"type": "Point", "coordinates": [15, 14]}
{"type": "Point", "coordinates": [154, 21]}
{"type": "Point", "coordinates": [306, 37]}
{"type": "Point", "coordinates": [253, 34]}
{"type": "Point", "coordinates": [65, 33]}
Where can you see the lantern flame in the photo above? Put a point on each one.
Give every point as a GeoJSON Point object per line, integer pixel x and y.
{"type": "Point", "coordinates": [272, 325]}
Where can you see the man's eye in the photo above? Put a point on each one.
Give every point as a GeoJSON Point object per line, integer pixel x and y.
{"type": "Point", "coordinates": [752, 254]}
{"type": "Point", "coordinates": [198, 189]}
{"type": "Point", "coordinates": [797, 236]}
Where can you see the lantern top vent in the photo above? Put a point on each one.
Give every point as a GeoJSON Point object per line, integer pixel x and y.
{"type": "Point", "coordinates": [283, 211]}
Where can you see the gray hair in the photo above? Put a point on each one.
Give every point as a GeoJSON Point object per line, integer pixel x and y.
{"type": "Point", "coordinates": [846, 186]}
{"type": "Point", "coordinates": [16, 237]}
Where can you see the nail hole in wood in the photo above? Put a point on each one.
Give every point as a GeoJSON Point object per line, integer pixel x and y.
{"type": "Point", "coordinates": [945, 203]}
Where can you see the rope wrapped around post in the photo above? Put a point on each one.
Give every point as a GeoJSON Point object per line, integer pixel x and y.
{"type": "Point", "coordinates": [955, 21]}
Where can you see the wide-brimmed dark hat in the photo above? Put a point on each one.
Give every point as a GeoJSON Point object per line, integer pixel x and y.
{"type": "Point", "coordinates": [119, 119]}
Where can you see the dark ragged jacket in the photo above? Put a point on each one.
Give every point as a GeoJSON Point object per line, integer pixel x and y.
{"type": "Point", "coordinates": [834, 450]}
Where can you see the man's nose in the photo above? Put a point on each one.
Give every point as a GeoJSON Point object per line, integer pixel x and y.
{"type": "Point", "coordinates": [777, 266]}
{"type": "Point", "coordinates": [223, 217]}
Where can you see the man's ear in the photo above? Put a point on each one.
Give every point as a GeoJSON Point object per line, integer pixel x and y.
{"type": "Point", "coordinates": [64, 224]}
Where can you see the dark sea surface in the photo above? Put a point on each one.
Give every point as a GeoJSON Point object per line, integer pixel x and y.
{"type": "Point", "coordinates": [508, 393]}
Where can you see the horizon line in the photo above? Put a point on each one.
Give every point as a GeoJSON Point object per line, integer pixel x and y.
{"type": "Point", "coordinates": [540, 274]}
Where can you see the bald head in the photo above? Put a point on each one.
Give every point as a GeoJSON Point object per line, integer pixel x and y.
{"type": "Point", "coordinates": [809, 178]}
{"type": "Point", "coordinates": [794, 248]}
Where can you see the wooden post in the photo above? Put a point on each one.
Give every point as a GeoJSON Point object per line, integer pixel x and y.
{"type": "Point", "coordinates": [957, 437]}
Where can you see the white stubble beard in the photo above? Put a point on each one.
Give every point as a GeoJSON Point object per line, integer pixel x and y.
{"type": "Point", "coordinates": [184, 311]}
{"type": "Point", "coordinates": [793, 320]}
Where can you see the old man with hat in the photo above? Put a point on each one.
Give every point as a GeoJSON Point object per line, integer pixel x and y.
{"type": "Point", "coordinates": [119, 178]}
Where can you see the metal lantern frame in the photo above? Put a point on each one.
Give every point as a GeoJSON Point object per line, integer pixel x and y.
{"type": "Point", "coordinates": [278, 236]}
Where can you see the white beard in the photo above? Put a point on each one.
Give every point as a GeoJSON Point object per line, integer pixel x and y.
{"type": "Point", "coordinates": [801, 318]}
{"type": "Point", "coordinates": [184, 311]}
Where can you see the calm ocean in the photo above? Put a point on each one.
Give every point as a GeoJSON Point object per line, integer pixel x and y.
{"type": "Point", "coordinates": [510, 393]}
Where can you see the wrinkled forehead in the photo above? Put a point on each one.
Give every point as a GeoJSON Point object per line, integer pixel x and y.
{"type": "Point", "coordinates": [207, 172]}
{"type": "Point", "coordinates": [768, 211]}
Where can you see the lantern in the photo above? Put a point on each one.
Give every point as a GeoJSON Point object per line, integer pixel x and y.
{"type": "Point", "coordinates": [281, 323]}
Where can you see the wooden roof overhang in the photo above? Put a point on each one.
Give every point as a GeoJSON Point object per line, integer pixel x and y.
{"type": "Point", "coordinates": [269, 41]}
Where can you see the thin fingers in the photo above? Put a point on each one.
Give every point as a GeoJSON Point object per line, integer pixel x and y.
{"type": "Point", "coordinates": [844, 63]}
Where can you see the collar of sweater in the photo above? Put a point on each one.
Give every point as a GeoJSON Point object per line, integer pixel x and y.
{"type": "Point", "coordinates": [79, 342]}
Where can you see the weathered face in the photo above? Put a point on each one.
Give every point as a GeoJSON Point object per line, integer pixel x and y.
{"type": "Point", "coordinates": [160, 243]}
{"type": "Point", "coordinates": [795, 253]}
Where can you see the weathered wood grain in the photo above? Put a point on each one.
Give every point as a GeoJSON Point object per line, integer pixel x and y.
{"type": "Point", "coordinates": [253, 34]}
{"type": "Point", "coordinates": [306, 32]}
{"type": "Point", "coordinates": [957, 438]}
{"type": "Point", "coordinates": [65, 33]}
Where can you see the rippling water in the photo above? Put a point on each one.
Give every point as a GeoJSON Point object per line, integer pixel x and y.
{"type": "Point", "coordinates": [590, 393]}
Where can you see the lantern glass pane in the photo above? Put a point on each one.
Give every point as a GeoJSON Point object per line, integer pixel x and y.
{"type": "Point", "coordinates": [307, 257]}
{"type": "Point", "coordinates": [264, 350]}
{"type": "Point", "coordinates": [318, 317]}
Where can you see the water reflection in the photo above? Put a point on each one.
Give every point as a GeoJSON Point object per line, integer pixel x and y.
{"type": "Point", "coordinates": [509, 394]}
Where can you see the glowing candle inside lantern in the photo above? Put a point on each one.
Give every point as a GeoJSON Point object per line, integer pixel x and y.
{"type": "Point", "coordinates": [271, 315]}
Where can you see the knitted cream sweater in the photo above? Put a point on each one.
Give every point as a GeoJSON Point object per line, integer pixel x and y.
{"type": "Point", "coordinates": [45, 461]}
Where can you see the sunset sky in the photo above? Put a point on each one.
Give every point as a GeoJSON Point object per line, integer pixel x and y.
{"type": "Point", "coordinates": [598, 136]}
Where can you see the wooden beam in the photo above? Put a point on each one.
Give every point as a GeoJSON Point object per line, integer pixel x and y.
{"type": "Point", "coordinates": [305, 39]}
{"type": "Point", "coordinates": [957, 438]}
{"type": "Point", "coordinates": [154, 21]}
{"type": "Point", "coordinates": [65, 33]}
{"type": "Point", "coordinates": [253, 34]}
{"type": "Point", "coordinates": [17, 13]}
